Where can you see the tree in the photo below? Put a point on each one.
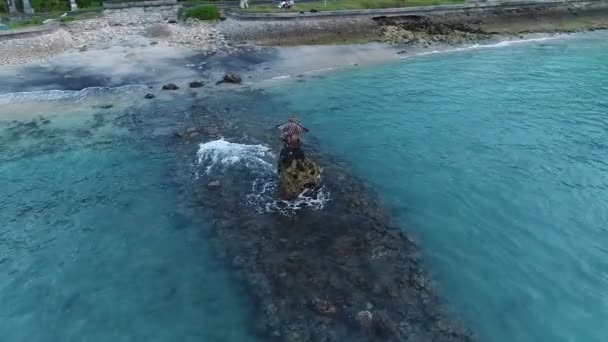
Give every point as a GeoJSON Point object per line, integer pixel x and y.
{"type": "Point", "coordinates": [27, 7]}
{"type": "Point", "coordinates": [12, 7]}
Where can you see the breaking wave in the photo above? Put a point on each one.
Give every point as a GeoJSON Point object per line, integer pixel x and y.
{"type": "Point", "coordinates": [69, 95]}
{"type": "Point", "coordinates": [217, 156]}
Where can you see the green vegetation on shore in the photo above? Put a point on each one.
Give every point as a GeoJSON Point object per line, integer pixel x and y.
{"type": "Point", "coordinates": [48, 6]}
{"type": "Point", "coordinates": [25, 24]}
{"type": "Point", "coordinates": [74, 16]}
{"type": "Point", "coordinates": [334, 5]}
{"type": "Point", "coordinates": [203, 12]}
{"type": "Point", "coordinates": [204, 1]}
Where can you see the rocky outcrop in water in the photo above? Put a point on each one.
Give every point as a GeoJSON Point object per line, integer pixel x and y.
{"type": "Point", "coordinates": [297, 177]}
{"type": "Point", "coordinates": [170, 86]}
{"type": "Point", "coordinates": [196, 84]}
{"type": "Point", "coordinates": [344, 273]}
{"type": "Point", "coordinates": [232, 77]}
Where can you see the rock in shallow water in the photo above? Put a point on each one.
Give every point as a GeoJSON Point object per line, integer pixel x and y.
{"type": "Point", "coordinates": [298, 176]}
{"type": "Point", "coordinates": [383, 325]}
{"type": "Point", "coordinates": [214, 184]}
{"type": "Point", "coordinates": [324, 307]}
{"type": "Point", "coordinates": [364, 319]}
{"type": "Point", "coordinates": [232, 77]}
{"type": "Point", "coordinates": [196, 84]}
{"type": "Point", "coordinates": [170, 86]}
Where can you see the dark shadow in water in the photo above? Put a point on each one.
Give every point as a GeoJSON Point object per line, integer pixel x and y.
{"type": "Point", "coordinates": [41, 78]}
{"type": "Point", "coordinates": [37, 78]}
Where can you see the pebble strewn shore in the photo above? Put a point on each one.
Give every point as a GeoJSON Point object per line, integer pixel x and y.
{"type": "Point", "coordinates": [159, 25]}
{"type": "Point", "coordinates": [25, 50]}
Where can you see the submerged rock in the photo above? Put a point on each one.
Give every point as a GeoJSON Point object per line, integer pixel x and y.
{"type": "Point", "coordinates": [105, 106]}
{"type": "Point", "coordinates": [324, 307]}
{"type": "Point", "coordinates": [383, 325]}
{"type": "Point", "coordinates": [170, 86]}
{"type": "Point", "coordinates": [196, 84]}
{"type": "Point", "coordinates": [214, 184]}
{"type": "Point", "coordinates": [298, 176]}
{"type": "Point", "coordinates": [149, 96]}
{"type": "Point", "coordinates": [364, 319]}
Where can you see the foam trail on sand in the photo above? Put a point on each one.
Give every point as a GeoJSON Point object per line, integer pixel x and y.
{"type": "Point", "coordinates": [217, 156]}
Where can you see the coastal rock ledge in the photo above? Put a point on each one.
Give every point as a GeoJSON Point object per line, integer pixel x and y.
{"type": "Point", "coordinates": [341, 274]}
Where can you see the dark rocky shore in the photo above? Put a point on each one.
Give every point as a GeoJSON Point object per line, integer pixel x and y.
{"type": "Point", "coordinates": [423, 29]}
{"type": "Point", "coordinates": [344, 273]}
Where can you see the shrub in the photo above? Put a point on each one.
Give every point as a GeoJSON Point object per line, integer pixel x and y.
{"type": "Point", "coordinates": [203, 12]}
{"type": "Point", "coordinates": [44, 6]}
{"type": "Point", "coordinates": [88, 3]}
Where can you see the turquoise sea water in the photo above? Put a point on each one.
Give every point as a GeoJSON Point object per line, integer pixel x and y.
{"type": "Point", "coordinates": [495, 158]}
{"type": "Point", "coordinates": [492, 158]}
{"type": "Point", "coordinates": [96, 244]}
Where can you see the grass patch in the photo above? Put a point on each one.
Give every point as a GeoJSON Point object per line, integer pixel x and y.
{"type": "Point", "coordinates": [203, 12]}
{"type": "Point", "coordinates": [67, 19]}
{"type": "Point", "coordinates": [24, 24]}
{"type": "Point", "coordinates": [336, 5]}
{"type": "Point", "coordinates": [14, 25]}
{"type": "Point", "coordinates": [205, 1]}
{"type": "Point", "coordinates": [89, 4]}
{"type": "Point", "coordinates": [80, 16]}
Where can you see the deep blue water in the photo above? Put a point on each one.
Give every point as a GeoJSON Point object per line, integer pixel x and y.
{"type": "Point", "coordinates": [495, 158]}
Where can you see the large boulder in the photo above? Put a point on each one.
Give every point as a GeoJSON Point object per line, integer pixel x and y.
{"type": "Point", "coordinates": [299, 175]}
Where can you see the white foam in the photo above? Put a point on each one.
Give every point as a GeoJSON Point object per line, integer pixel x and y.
{"type": "Point", "coordinates": [218, 156]}
{"type": "Point", "coordinates": [263, 198]}
{"type": "Point", "coordinates": [68, 95]}
{"type": "Point", "coordinates": [221, 153]}
{"type": "Point", "coordinates": [315, 71]}
{"type": "Point", "coordinates": [503, 43]}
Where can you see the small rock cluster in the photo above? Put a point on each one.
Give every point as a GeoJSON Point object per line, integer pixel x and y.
{"type": "Point", "coordinates": [399, 36]}
{"type": "Point", "coordinates": [423, 32]}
